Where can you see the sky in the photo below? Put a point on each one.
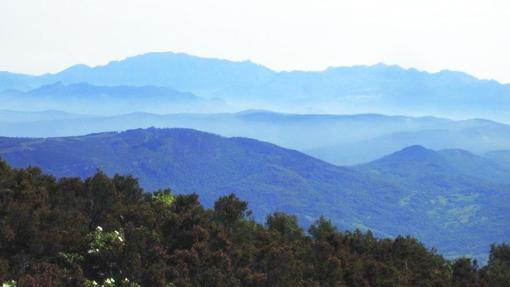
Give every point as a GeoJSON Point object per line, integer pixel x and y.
{"type": "Point", "coordinates": [464, 35]}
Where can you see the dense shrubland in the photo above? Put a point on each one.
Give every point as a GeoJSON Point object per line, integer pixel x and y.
{"type": "Point", "coordinates": [107, 232]}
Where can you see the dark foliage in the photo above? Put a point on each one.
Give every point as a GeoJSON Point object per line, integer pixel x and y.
{"type": "Point", "coordinates": [107, 230]}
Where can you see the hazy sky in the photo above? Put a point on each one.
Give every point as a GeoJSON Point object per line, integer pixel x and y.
{"type": "Point", "coordinates": [39, 36]}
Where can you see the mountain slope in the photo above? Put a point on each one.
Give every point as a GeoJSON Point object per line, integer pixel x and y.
{"type": "Point", "coordinates": [379, 89]}
{"type": "Point", "coordinates": [500, 156]}
{"type": "Point", "coordinates": [452, 189]}
{"type": "Point", "coordinates": [191, 161]}
{"type": "Point", "coordinates": [175, 70]}
{"type": "Point", "coordinates": [14, 81]}
{"type": "Point", "coordinates": [439, 205]}
{"type": "Point", "coordinates": [87, 98]}
{"type": "Point", "coordinates": [482, 167]}
{"type": "Point", "coordinates": [13, 117]}
{"type": "Point", "coordinates": [339, 139]}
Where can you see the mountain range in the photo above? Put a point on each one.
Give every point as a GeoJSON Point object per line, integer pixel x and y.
{"type": "Point", "coordinates": [242, 85]}
{"type": "Point", "coordinates": [393, 150]}
{"type": "Point", "coordinates": [84, 98]}
{"type": "Point", "coordinates": [433, 195]}
{"type": "Point", "coordinates": [338, 139]}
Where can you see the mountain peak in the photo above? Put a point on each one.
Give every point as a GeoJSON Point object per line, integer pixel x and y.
{"type": "Point", "coordinates": [75, 69]}
{"type": "Point", "coordinates": [411, 155]}
{"type": "Point", "coordinates": [414, 151]}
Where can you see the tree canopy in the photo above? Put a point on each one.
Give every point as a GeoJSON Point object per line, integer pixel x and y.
{"type": "Point", "coordinates": [106, 231]}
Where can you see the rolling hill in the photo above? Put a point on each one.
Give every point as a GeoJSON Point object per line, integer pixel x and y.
{"type": "Point", "coordinates": [83, 98]}
{"type": "Point", "coordinates": [190, 161]}
{"type": "Point", "coordinates": [338, 139]}
{"type": "Point", "coordinates": [357, 89]}
{"type": "Point", "coordinates": [454, 189]}
{"type": "Point", "coordinates": [415, 191]}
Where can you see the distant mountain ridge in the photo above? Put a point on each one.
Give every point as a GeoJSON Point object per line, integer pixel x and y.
{"type": "Point", "coordinates": [357, 89]}
{"type": "Point", "coordinates": [414, 191]}
{"type": "Point", "coordinates": [93, 99]}
{"type": "Point", "coordinates": [451, 162]}
{"type": "Point", "coordinates": [338, 139]}
{"type": "Point", "coordinates": [176, 70]}
{"type": "Point", "coordinates": [10, 116]}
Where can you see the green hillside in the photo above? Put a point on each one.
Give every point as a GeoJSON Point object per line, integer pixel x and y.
{"type": "Point", "coordinates": [413, 192]}
{"type": "Point", "coordinates": [452, 190]}
{"type": "Point", "coordinates": [270, 177]}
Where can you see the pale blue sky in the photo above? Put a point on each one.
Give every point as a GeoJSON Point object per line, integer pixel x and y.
{"type": "Point", "coordinates": [46, 36]}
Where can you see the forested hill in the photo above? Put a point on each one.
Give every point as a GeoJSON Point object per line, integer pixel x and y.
{"type": "Point", "coordinates": [415, 191]}
{"type": "Point", "coordinates": [337, 139]}
{"type": "Point", "coordinates": [107, 231]}
{"type": "Point", "coordinates": [271, 178]}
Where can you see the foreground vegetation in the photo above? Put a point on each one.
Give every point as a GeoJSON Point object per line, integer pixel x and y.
{"type": "Point", "coordinates": [107, 232]}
